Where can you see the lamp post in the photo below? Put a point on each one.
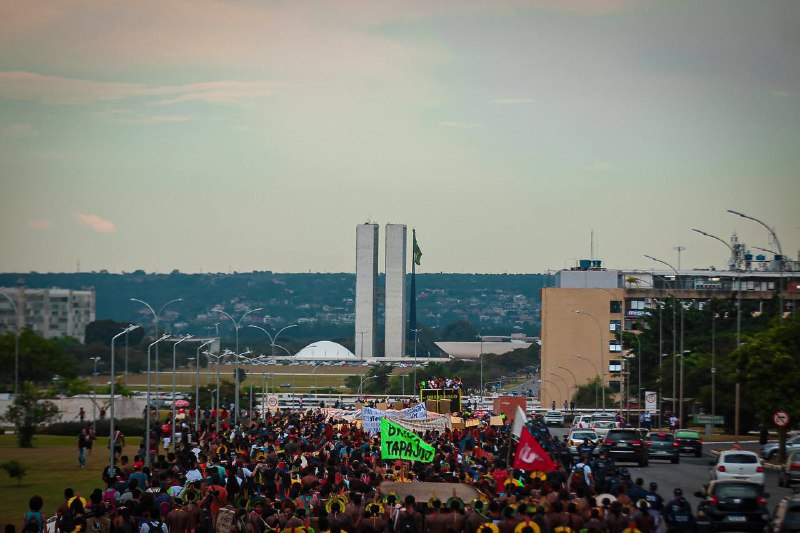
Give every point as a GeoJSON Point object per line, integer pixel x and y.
{"type": "Point", "coordinates": [602, 363]}
{"type": "Point", "coordinates": [113, 382]}
{"type": "Point", "coordinates": [174, 355]}
{"type": "Point", "coordinates": [156, 316]}
{"type": "Point", "coordinates": [236, 326]}
{"type": "Point", "coordinates": [273, 338]}
{"type": "Point", "coordinates": [16, 341]}
{"type": "Point", "coordinates": [596, 374]}
{"type": "Point", "coordinates": [197, 386]}
{"type": "Point", "coordinates": [674, 340]}
{"type": "Point", "coordinates": [639, 368]}
{"type": "Point", "coordinates": [95, 360]}
{"type": "Point", "coordinates": [573, 379]}
{"type": "Point", "coordinates": [149, 406]}
{"type": "Point", "coordinates": [566, 396]}
{"type": "Point", "coordinates": [313, 371]}
{"type": "Point", "coordinates": [361, 385]}
{"type": "Point", "coordinates": [556, 385]}
{"type": "Point", "coordinates": [416, 333]}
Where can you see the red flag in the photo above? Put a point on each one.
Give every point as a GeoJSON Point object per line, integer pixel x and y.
{"type": "Point", "coordinates": [530, 456]}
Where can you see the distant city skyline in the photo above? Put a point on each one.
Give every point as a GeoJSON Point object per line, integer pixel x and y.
{"type": "Point", "coordinates": [235, 136]}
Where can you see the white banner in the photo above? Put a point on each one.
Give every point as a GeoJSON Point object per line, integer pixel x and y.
{"type": "Point", "coordinates": [650, 401]}
{"type": "Point", "coordinates": [371, 418]}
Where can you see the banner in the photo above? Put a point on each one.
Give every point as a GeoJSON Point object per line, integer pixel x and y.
{"type": "Point", "coordinates": [371, 418]}
{"type": "Point", "coordinates": [434, 422]}
{"type": "Point", "coordinates": [399, 443]}
{"type": "Point", "coordinates": [530, 456]}
{"type": "Point", "coordinates": [454, 395]}
{"type": "Point", "coordinates": [651, 401]}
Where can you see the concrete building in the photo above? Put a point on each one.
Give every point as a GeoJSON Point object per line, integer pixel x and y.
{"type": "Point", "coordinates": [395, 308]}
{"type": "Point", "coordinates": [366, 289]}
{"type": "Point", "coordinates": [51, 313]}
{"type": "Point", "coordinates": [583, 313]}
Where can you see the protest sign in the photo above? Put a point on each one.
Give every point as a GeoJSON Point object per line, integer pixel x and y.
{"type": "Point", "coordinates": [399, 443]}
{"type": "Point", "coordinates": [371, 418]}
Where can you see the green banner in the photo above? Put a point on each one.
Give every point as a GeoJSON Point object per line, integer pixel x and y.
{"type": "Point", "coordinates": [399, 443]}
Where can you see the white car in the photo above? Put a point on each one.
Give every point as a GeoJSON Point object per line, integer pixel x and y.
{"type": "Point", "coordinates": [578, 437]}
{"type": "Point", "coordinates": [601, 427]}
{"type": "Point", "coordinates": [554, 418]}
{"type": "Point", "coordinates": [738, 464]}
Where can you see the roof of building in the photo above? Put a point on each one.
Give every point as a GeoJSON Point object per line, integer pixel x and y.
{"type": "Point", "coordinates": [325, 350]}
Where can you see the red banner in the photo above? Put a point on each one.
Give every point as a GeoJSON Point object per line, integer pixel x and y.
{"type": "Point", "coordinates": [530, 456]}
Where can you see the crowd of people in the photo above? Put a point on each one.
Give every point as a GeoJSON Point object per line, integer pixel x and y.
{"type": "Point", "coordinates": [309, 470]}
{"type": "Point", "coordinates": [439, 383]}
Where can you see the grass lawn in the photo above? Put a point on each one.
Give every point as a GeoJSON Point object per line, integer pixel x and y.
{"type": "Point", "coordinates": [52, 467]}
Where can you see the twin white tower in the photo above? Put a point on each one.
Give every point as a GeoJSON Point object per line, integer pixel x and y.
{"type": "Point", "coordinates": [366, 290]}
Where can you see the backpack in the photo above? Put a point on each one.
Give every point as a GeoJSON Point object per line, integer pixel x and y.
{"type": "Point", "coordinates": [406, 523]}
{"type": "Point", "coordinates": [32, 522]}
{"type": "Point", "coordinates": [155, 527]}
{"type": "Point", "coordinates": [577, 477]}
{"type": "Point", "coordinates": [109, 501]}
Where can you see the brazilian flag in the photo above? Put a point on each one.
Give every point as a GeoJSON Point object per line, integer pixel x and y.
{"type": "Point", "coordinates": [417, 251]}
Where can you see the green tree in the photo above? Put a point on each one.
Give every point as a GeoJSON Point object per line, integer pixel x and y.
{"type": "Point", "coordinates": [28, 410]}
{"type": "Point", "coordinates": [102, 331]}
{"type": "Point", "coordinates": [459, 331]}
{"type": "Point", "coordinates": [15, 469]}
{"type": "Point", "coordinates": [768, 368]}
{"type": "Point", "coordinates": [40, 359]}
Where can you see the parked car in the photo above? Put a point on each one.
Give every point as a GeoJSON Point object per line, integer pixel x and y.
{"type": "Point", "coordinates": [738, 465]}
{"type": "Point", "coordinates": [729, 504]}
{"type": "Point", "coordinates": [786, 517]}
{"type": "Point", "coordinates": [605, 417]}
{"type": "Point", "coordinates": [554, 418]}
{"type": "Point", "coordinates": [601, 427]}
{"type": "Point", "coordinates": [581, 437]}
{"type": "Point", "coordinates": [625, 444]}
{"type": "Point", "coordinates": [662, 445]}
{"type": "Point", "coordinates": [790, 470]}
{"type": "Point", "coordinates": [689, 441]}
{"type": "Point", "coordinates": [770, 450]}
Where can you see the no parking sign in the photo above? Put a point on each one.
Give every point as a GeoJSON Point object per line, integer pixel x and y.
{"type": "Point", "coordinates": [781, 418]}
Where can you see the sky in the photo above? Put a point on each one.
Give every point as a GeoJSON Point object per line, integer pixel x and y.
{"type": "Point", "coordinates": [238, 136]}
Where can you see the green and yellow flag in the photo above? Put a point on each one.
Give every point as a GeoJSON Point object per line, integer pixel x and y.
{"type": "Point", "coordinates": [417, 251]}
{"type": "Point", "coordinates": [399, 443]}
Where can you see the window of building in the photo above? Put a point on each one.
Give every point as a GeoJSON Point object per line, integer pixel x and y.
{"type": "Point", "coordinates": [614, 325]}
{"type": "Point", "coordinates": [615, 366]}
{"type": "Point", "coordinates": [615, 306]}
{"type": "Point", "coordinates": [614, 346]}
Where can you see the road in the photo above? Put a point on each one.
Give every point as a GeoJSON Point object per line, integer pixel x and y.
{"type": "Point", "coordinates": [692, 472]}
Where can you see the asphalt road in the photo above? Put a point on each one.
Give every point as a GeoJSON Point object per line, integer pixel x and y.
{"type": "Point", "coordinates": [692, 472]}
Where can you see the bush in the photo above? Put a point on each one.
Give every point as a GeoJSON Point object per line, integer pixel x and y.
{"type": "Point", "coordinates": [129, 426]}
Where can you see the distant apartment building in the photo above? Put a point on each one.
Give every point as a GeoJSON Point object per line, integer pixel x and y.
{"type": "Point", "coordinates": [366, 289]}
{"type": "Point", "coordinates": [395, 301]}
{"type": "Point", "coordinates": [589, 305]}
{"type": "Point", "coordinates": [52, 313]}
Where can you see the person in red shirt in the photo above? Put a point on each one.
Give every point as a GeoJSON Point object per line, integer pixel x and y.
{"type": "Point", "coordinates": [500, 476]}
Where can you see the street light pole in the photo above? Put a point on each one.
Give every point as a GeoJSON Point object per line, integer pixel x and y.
{"type": "Point", "coordinates": [602, 363]}
{"type": "Point", "coordinates": [579, 356]}
{"type": "Point", "coordinates": [156, 315]}
{"type": "Point", "coordinates": [174, 354]}
{"type": "Point", "coordinates": [148, 460]}
{"type": "Point", "coordinates": [273, 338]}
{"type": "Point", "coordinates": [94, 389]}
{"type": "Point", "coordinates": [16, 341]}
{"type": "Point", "coordinates": [481, 360]}
{"type": "Point", "coordinates": [111, 447]}
{"type": "Point", "coordinates": [236, 326]}
{"type": "Point", "coordinates": [573, 379]}
{"type": "Point", "coordinates": [197, 386]}
{"type": "Point", "coordinates": [674, 339]}
{"type": "Point", "coordinates": [416, 333]}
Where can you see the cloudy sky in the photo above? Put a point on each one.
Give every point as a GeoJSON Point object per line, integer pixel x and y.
{"type": "Point", "coordinates": [216, 136]}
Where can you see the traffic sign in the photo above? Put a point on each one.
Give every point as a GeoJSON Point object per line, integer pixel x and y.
{"type": "Point", "coordinates": [272, 402]}
{"type": "Point", "coordinates": [781, 418]}
{"type": "Point", "coordinates": [708, 419]}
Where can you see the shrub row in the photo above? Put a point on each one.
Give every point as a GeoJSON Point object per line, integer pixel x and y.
{"type": "Point", "coordinates": [128, 426]}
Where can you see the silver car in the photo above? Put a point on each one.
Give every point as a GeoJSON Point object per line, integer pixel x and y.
{"type": "Point", "coordinates": [770, 449]}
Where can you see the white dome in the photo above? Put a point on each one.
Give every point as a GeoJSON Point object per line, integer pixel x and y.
{"type": "Point", "coordinates": [325, 350]}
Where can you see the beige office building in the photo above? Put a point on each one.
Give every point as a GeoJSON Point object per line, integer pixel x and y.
{"type": "Point", "coordinates": [52, 313]}
{"type": "Point", "coordinates": [583, 313]}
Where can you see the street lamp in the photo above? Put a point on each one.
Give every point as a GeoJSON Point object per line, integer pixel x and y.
{"type": "Point", "coordinates": [156, 316]}
{"type": "Point", "coordinates": [566, 396]}
{"type": "Point", "coordinates": [316, 367]}
{"type": "Point", "coordinates": [674, 332]}
{"type": "Point", "coordinates": [236, 326]}
{"type": "Point", "coordinates": [16, 341]}
{"type": "Point", "coordinates": [573, 379]}
{"type": "Point", "coordinates": [364, 380]}
{"type": "Point", "coordinates": [274, 338]}
{"type": "Point", "coordinates": [197, 386]}
{"type": "Point", "coordinates": [481, 361]}
{"type": "Point", "coordinates": [147, 417]}
{"type": "Point", "coordinates": [556, 385]}
{"type": "Point", "coordinates": [174, 354]}
{"type": "Point", "coordinates": [602, 362]}
{"type": "Point", "coordinates": [113, 382]}
{"type": "Point", "coordinates": [579, 356]}
{"type": "Point", "coordinates": [95, 360]}
{"type": "Point", "coordinates": [416, 333]}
